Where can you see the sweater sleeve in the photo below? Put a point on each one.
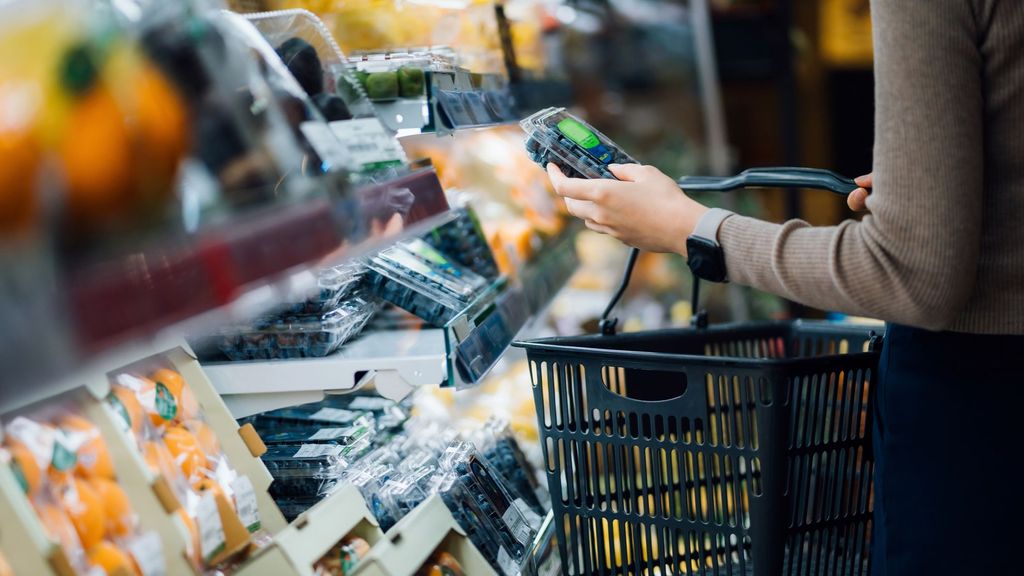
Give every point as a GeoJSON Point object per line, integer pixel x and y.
{"type": "Point", "coordinates": [913, 259]}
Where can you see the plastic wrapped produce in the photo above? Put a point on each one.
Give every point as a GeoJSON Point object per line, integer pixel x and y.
{"type": "Point", "coordinates": [464, 241]}
{"type": "Point", "coordinates": [417, 284]}
{"type": "Point", "coordinates": [297, 336]}
{"type": "Point", "coordinates": [303, 470]}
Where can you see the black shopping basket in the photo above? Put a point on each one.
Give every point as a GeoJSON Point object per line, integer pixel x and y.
{"type": "Point", "coordinates": [731, 449]}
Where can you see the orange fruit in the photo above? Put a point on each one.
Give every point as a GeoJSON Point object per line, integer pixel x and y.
{"type": "Point", "coordinates": [117, 509]}
{"type": "Point", "coordinates": [96, 154]}
{"type": "Point", "coordinates": [161, 127]}
{"type": "Point", "coordinates": [93, 458]}
{"type": "Point", "coordinates": [19, 163]}
{"type": "Point", "coordinates": [206, 437]}
{"type": "Point", "coordinates": [186, 451]}
{"type": "Point", "coordinates": [26, 467]}
{"type": "Point", "coordinates": [159, 458]}
{"type": "Point", "coordinates": [169, 400]}
{"type": "Point", "coordinates": [58, 526]}
{"type": "Point", "coordinates": [111, 559]}
{"type": "Point", "coordinates": [126, 405]}
{"type": "Point", "coordinates": [85, 510]}
{"type": "Point", "coordinates": [193, 542]}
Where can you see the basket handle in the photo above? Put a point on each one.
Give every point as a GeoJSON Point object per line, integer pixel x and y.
{"type": "Point", "coordinates": [812, 178]}
{"type": "Point", "coordinates": [779, 177]}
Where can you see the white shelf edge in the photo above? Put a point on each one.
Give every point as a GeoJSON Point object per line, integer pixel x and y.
{"type": "Point", "coordinates": [397, 361]}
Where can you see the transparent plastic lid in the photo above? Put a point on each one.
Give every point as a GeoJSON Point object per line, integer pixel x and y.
{"type": "Point", "coordinates": [555, 135]}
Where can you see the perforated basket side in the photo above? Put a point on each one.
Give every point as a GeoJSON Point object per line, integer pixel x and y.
{"type": "Point", "coordinates": [684, 463]}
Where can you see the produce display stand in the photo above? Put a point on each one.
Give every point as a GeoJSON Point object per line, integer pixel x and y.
{"type": "Point", "coordinates": [26, 543]}
{"type": "Point", "coordinates": [314, 533]}
{"type": "Point", "coordinates": [427, 529]}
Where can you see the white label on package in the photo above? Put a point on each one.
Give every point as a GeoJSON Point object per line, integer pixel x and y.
{"type": "Point", "coordinates": [330, 433]}
{"type": "Point", "coordinates": [317, 450]}
{"type": "Point", "coordinates": [245, 503]}
{"type": "Point", "coordinates": [370, 403]}
{"type": "Point", "coordinates": [367, 143]}
{"type": "Point", "coordinates": [326, 144]}
{"type": "Point", "coordinates": [506, 563]}
{"type": "Point", "coordinates": [148, 551]}
{"type": "Point", "coordinates": [518, 525]}
{"type": "Point", "coordinates": [211, 531]}
{"type": "Point", "coordinates": [334, 415]}
{"type": "Point", "coordinates": [532, 518]}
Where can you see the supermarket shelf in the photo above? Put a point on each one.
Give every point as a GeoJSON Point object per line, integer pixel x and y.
{"type": "Point", "coordinates": [105, 310]}
{"type": "Point", "coordinates": [455, 102]}
{"type": "Point", "coordinates": [395, 361]}
{"type": "Point", "coordinates": [311, 536]}
{"type": "Point", "coordinates": [546, 277]}
{"type": "Point", "coordinates": [408, 545]}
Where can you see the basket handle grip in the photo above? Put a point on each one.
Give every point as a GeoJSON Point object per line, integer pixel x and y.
{"type": "Point", "coordinates": [783, 177]}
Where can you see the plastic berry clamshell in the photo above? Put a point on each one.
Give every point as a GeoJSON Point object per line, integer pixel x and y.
{"type": "Point", "coordinates": [554, 135]}
{"type": "Point", "coordinates": [409, 282]}
{"type": "Point", "coordinates": [303, 470]}
{"type": "Point", "coordinates": [297, 336]}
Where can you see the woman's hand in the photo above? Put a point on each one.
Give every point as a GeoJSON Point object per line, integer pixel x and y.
{"type": "Point", "coordinates": [857, 200]}
{"type": "Point", "coordinates": [644, 208]}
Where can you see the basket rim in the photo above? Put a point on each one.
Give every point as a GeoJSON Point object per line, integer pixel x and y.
{"type": "Point", "coordinates": [551, 345]}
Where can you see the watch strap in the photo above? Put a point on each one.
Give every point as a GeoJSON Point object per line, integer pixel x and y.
{"type": "Point", "coordinates": [707, 226]}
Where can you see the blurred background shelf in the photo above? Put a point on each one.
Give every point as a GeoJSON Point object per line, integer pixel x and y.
{"type": "Point", "coordinates": [456, 101]}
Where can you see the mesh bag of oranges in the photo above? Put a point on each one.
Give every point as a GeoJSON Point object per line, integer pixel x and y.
{"type": "Point", "coordinates": [155, 404]}
{"type": "Point", "coordinates": [64, 467]}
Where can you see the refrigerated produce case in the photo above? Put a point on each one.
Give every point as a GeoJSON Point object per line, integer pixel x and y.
{"type": "Point", "coordinates": [288, 327]}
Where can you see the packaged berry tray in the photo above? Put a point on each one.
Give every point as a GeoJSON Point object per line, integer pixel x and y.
{"type": "Point", "coordinates": [297, 336]}
{"type": "Point", "coordinates": [309, 416]}
{"type": "Point", "coordinates": [406, 281]}
{"type": "Point", "coordinates": [334, 285]}
{"type": "Point", "coordinates": [555, 135]}
{"type": "Point", "coordinates": [341, 435]}
{"type": "Point", "coordinates": [463, 240]}
{"type": "Point", "coordinates": [440, 262]}
{"type": "Point", "coordinates": [303, 470]}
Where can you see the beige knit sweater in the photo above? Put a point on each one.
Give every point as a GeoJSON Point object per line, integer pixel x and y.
{"type": "Point", "coordinates": [943, 245]}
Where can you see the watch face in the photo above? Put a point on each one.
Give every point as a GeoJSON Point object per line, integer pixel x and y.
{"type": "Point", "coordinates": [705, 259]}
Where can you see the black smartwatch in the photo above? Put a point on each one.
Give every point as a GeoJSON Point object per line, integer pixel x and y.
{"type": "Point", "coordinates": [705, 256]}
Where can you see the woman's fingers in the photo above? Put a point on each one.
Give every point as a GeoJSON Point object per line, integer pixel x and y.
{"type": "Point", "coordinates": [864, 181]}
{"type": "Point", "coordinates": [577, 188]}
{"type": "Point", "coordinates": [598, 227]}
{"type": "Point", "coordinates": [857, 200]}
{"type": "Point", "coordinates": [582, 209]}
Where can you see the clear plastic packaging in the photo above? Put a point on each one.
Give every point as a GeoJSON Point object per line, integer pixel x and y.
{"type": "Point", "coordinates": [498, 445]}
{"type": "Point", "coordinates": [310, 415]}
{"type": "Point", "coordinates": [63, 465]}
{"type": "Point", "coordinates": [555, 135]}
{"type": "Point", "coordinates": [156, 406]}
{"type": "Point", "coordinates": [303, 470]}
{"type": "Point", "coordinates": [333, 286]}
{"type": "Point", "coordinates": [463, 240]}
{"type": "Point", "coordinates": [414, 283]}
{"type": "Point", "coordinates": [311, 54]}
{"type": "Point", "coordinates": [297, 336]}
{"type": "Point", "coordinates": [403, 493]}
{"type": "Point", "coordinates": [342, 436]}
